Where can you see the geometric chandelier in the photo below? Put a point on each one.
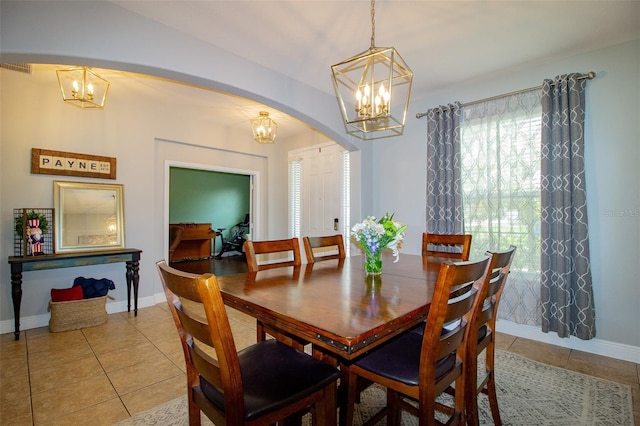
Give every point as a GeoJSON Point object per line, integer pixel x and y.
{"type": "Point", "coordinates": [373, 89]}
{"type": "Point", "coordinates": [264, 128]}
{"type": "Point", "coordinates": [83, 88]}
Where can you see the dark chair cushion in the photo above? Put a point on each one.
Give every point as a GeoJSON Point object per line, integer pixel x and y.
{"type": "Point", "coordinates": [274, 375]}
{"type": "Point", "coordinates": [399, 359]}
{"type": "Point", "coordinates": [419, 329]}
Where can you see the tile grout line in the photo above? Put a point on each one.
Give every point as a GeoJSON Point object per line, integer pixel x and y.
{"type": "Point", "coordinates": [104, 371]}
{"type": "Point", "coordinates": [26, 348]}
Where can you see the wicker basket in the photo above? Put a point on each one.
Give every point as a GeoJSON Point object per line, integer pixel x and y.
{"type": "Point", "coordinates": [77, 314]}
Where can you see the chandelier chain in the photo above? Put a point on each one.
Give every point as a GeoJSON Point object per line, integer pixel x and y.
{"type": "Point", "coordinates": [373, 24]}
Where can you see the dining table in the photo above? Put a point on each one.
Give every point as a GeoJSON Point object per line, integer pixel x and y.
{"type": "Point", "coordinates": [335, 305]}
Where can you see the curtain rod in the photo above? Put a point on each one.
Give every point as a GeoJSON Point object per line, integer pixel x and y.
{"type": "Point", "coordinates": [588, 76]}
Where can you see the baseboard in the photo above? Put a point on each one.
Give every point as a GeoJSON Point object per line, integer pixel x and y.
{"type": "Point", "coordinates": [35, 321]}
{"type": "Point", "coordinates": [594, 346]}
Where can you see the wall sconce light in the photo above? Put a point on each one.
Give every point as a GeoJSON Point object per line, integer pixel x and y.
{"type": "Point", "coordinates": [264, 129]}
{"type": "Point", "coordinates": [83, 88]}
{"type": "Point", "coordinates": [373, 89]}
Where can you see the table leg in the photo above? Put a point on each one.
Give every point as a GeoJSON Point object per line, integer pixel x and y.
{"type": "Point", "coordinates": [133, 280]}
{"type": "Point", "coordinates": [16, 295]}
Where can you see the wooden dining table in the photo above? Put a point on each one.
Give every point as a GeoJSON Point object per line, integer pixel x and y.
{"type": "Point", "coordinates": [334, 305]}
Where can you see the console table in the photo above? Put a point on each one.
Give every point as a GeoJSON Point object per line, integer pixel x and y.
{"type": "Point", "coordinates": [18, 264]}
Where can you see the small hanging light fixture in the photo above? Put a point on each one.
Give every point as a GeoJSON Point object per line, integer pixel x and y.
{"type": "Point", "coordinates": [373, 89]}
{"type": "Point", "coordinates": [82, 87]}
{"type": "Point", "coordinates": [264, 128]}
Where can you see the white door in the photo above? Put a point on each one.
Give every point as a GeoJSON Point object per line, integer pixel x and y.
{"type": "Point", "coordinates": [322, 191]}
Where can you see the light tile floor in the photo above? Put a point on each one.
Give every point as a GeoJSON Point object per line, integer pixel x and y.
{"type": "Point", "coordinates": [105, 374]}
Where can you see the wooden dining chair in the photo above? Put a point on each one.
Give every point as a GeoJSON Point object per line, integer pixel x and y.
{"type": "Point", "coordinates": [281, 248]}
{"type": "Point", "coordinates": [445, 246]}
{"type": "Point", "coordinates": [289, 248]}
{"type": "Point", "coordinates": [451, 246]}
{"type": "Point", "coordinates": [260, 385]}
{"type": "Point", "coordinates": [327, 247]}
{"type": "Point", "coordinates": [419, 367]}
{"type": "Point", "coordinates": [482, 337]}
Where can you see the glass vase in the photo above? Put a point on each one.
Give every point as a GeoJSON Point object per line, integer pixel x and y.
{"type": "Point", "coordinates": [373, 263]}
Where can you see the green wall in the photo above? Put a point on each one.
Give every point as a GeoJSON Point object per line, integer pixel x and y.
{"type": "Point", "coordinates": [201, 196]}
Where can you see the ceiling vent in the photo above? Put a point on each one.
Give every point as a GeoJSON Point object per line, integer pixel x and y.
{"type": "Point", "coordinates": [25, 68]}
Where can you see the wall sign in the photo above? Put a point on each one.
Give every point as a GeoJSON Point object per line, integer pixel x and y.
{"type": "Point", "coordinates": [47, 162]}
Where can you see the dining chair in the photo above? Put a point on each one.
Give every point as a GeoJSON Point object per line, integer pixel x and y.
{"type": "Point", "coordinates": [289, 248]}
{"type": "Point", "coordinates": [260, 385]}
{"type": "Point", "coordinates": [482, 337]}
{"type": "Point", "coordinates": [451, 246]}
{"type": "Point", "coordinates": [327, 247]}
{"type": "Point", "coordinates": [419, 367]}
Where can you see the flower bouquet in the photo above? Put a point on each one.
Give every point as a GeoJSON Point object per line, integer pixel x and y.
{"type": "Point", "coordinates": [374, 235]}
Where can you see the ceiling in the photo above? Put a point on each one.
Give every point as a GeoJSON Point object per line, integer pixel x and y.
{"type": "Point", "coordinates": [445, 43]}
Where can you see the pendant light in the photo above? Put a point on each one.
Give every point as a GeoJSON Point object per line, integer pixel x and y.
{"type": "Point", "coordinates": [264, 128]}
{"type": "Point", "coordinates": [82, 87]}
{"type": "Point", "coordinates": [373, 89]}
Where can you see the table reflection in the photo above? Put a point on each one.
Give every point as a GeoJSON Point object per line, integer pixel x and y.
{"type": "Point", "coordinates": [373, 303]}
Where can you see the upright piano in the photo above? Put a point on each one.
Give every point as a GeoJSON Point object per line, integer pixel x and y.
{"type": "Point", "coordinates": [190, 241]}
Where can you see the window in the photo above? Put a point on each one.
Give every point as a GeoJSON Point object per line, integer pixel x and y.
{"type": "Point", "coordinates": [295, 199]}
{"type": "Point", "coordinates": [500, 152]}
{"type": "Point", "coordinates": [346, 201]}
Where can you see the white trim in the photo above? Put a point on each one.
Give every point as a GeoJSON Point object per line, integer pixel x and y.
{"type": "Point", "coordinates": [594, 346]}
{"type": "Point", "coordinates": [296, 154]}
{"type": "Point", "coordinates": [254, 196]}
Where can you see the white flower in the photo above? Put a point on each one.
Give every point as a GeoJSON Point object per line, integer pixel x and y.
{"type": "Point", "coordinates": [374, 235]}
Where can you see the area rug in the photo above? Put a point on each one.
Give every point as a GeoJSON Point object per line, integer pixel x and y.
{"type": "Point", "coordinates": [529, 393]}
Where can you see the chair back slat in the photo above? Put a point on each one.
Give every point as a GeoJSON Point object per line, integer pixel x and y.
{"type": "Point", "coordinates": [451, 246]}
{"type": "Point", "coordinates": [450, 340]}
{"type": "Point", "coordinates": [207, 366]}
{"type": "Point", "coordinates": [326, 247]}
{"type": "Point", "coordinates": [195, 327]}
{"type": "Point", "coordinates": [486, 313]}
{"type": "Point", "coordinates": [289, 247]}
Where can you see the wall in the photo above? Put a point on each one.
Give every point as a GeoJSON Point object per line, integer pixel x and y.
{"type": "Point", "coordinates": [613, 183]}
{"type": "Point", "coordinates": [146, 137]}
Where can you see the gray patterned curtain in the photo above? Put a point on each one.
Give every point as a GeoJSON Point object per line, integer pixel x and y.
{"type": "Point", "coordinates": [444, 193]}
{"type": "Point", "coordinates": [566, 289]}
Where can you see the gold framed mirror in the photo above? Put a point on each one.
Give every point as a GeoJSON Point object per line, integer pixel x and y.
{"type": "Point", "coordinates": [89, 216]}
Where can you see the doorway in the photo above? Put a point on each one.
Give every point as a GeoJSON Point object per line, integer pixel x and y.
{"type": "Point", "coordinates": [205, 208]}
{"type": "Point", "coordinates": [319, 190]}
